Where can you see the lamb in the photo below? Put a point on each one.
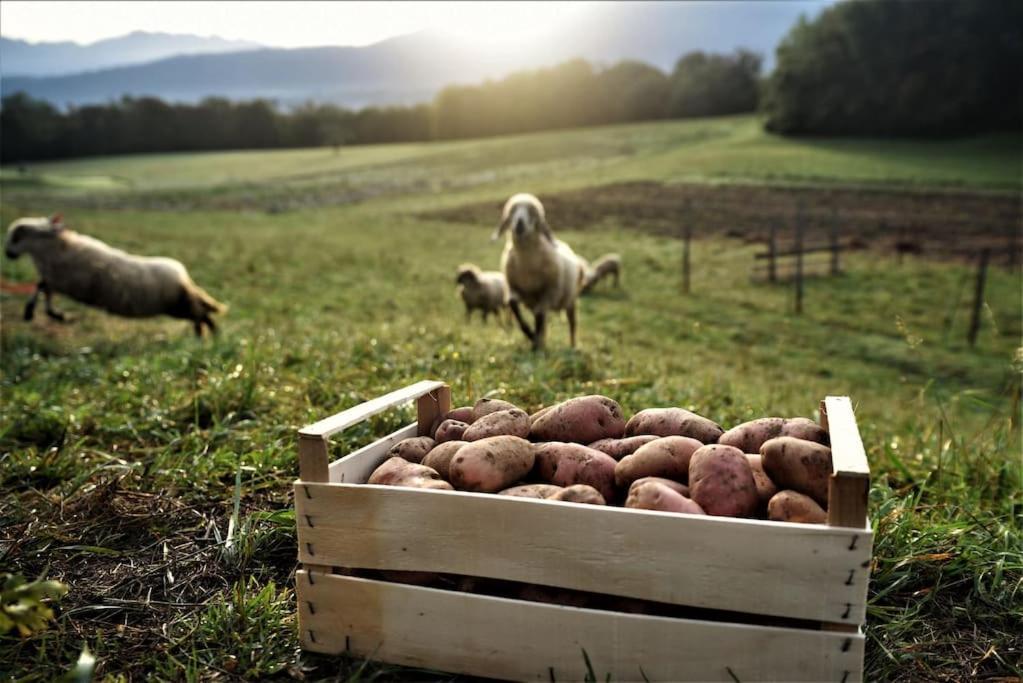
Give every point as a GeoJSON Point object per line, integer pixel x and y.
{"type": "Point", "coordinates": [543, 273]}
{"type": "Point", "coordinates": [486, 291]}
{"type": "Point", "coordinates": [93, 273]}
{"type": "Point", "coordinates": [606, 265]}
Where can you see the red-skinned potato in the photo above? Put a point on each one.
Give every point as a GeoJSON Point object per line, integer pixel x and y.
{"type": "Point", "coordinates": [619, 448]}
{"type": "Point", "coordinates": [750, 436]}
{"type": "Point", "coordinates": [566, 464]}
{"type": "Point", "coordinates": [802, 466]}
{"type": "Point", "coordinates": [673, 422]}
{"type": "Point", "coordinates": [450, 430]}
{"type": "Point", "coordinates": [485, 406]}
{"type": "Point", "coordinates": [492, 464]}
{"type": "Point", "coordinates": [512, 422]}
{"type": "Point", "coordinates": [413, 450]}
{"type": "Point", "coordinates": [536, 416]}
{"type": "Point", "coordinates": [580, 420]}
{"type": "Point", "coordinates": [721, 481]}
{"type": "Point", "coordinates": [400, 472]}
{"type": "Point", "coordinates": [765, 487]}
{"type": "Point", "coordinates": [666, 457]}
{"type": "Point", "coordinates": [461, 414]}
{"type": "Point", "coordinates": [440, 456]}
{"type": "Point", "coordinates": [579, 493]}
{"type": "Point", "coordinates": [792, 506]}
{"type": "Point", "coordinates": [653, 495]}
{"type": "Point", "coordinates": [671, 484]}
{"type": "Point", "coordinates": [541, 491]}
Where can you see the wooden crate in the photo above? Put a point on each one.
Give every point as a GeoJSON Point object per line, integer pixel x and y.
{"type": "Point", "coordinates": [811, 579]}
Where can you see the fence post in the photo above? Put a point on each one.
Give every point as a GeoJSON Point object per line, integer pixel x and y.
{"type": "Point", "coordinates": [978, 295]}
{"type": "Point", "coordinates": [799, 260]}
{"type": "Point", "coordinates": [687, 235]}
{"type": "Point", "coordinates": [835, 266]}
{"type": "Point", "coordinates": [772, 248]}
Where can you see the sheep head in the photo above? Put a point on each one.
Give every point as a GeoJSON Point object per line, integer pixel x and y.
{"type": "Point", "coordinates": [468, 274]}
{"type": "Point", "coordinates": [525, 216]}
{"type": "Point", "coordinates": [26, 234]}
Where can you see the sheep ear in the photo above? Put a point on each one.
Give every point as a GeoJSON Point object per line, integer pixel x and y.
{"type": "Point", "coordinates": [501, 228]}
{"type": "Point", "coordinates": [546, 229]}
{"type": "Point", "coordinates": [57, 221]}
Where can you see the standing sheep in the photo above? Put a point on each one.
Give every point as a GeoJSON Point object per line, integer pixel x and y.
{"type": "Point", "coordinates": [608, 265]}
{"type": "Point", "coordinates": [542, 272]}
{"type": "Point", "coordinates": [94, 273]}
{"type": "Point", "coordinates": [483, 290]}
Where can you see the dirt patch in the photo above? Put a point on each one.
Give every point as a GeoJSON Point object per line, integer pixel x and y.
{"type": "Point", "coordinates": [939, 224]}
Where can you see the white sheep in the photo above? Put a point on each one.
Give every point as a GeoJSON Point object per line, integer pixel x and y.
{"type": "Point", "coordinates": [543, 273]}
{"type": "Point", "coordinates": [94, 273]}
{"type": "Point", "coordinates": [608, 265]}
{"type": "Point", "coordinates": [486, 291]}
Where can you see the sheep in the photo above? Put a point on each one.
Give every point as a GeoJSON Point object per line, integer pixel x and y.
{"type": "Point", "coordinates": [93, 273]}
{"type": "Point", "coordinates": [607, 265]}
{"type": "Point", "coordinates": [543, 273]}
{"type": "Point", "coordinates": [486, 291]}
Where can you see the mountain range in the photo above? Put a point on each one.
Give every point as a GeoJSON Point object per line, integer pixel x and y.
{"type": "Point", "coordinates": [402, 70]}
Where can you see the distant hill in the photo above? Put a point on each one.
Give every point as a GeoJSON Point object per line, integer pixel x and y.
{"type": "Point", "coordinates": [412, 68]}
{"type": "Point", "coordinates": [22, 58]}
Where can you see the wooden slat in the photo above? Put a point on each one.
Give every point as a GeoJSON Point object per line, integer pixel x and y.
{"type": "Point", "coordinates": [431, 406]}
{"type": "Point", "coordinates": [850, 477]}
{"type": "Point", "coordinates": [313, 456]}
{"type": "Point", "coordinates": [518, 640]}
{"type": "Point", "coordinates": [358, 465]}
{"type": "Point", "coordinates": [336, 423]}
{"type": "Point", "coordinates": [790, 570]}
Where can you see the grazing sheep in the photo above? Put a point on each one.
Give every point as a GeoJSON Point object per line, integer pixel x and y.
{"type": "Point", "coordinates": [486, 291]}
{"type": "Point", "coordinates": [93, 273]}
{"type": "Point", "coordinates": [542, 272]}
{"type": "Point", "coordinates": [607, 265]}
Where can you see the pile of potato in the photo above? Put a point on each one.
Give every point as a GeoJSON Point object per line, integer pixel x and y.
{"type": "Point", "coordinates": [584, 451]}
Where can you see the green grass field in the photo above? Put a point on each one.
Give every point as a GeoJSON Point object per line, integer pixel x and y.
{"type": "Point", "coordinates": [124, 444]}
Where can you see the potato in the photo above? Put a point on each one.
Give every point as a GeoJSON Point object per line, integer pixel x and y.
{"type": "Point", "coordinates": [536, 416]}
{"type": "Point", "coordinates": [721, 481]}
{"type": "Point", "coordinates": [413, 449]}
{"type": "Point", "coordinates": [792, 506]}
{"type": "Point", "coordinates": [666, 457]}
{"type": "Point", "coordinates": [806, 429]}
{"type": "Point", "coordinates": [802, 466]}
{"type": "Point", "coordinates": [765, 487]}
{"type": "Point", "coordinates": [485, 406]}
{"type": "Point", "coordinates": [440, 456]}
{"type": "Point", "coordinates": [462, 414]}
{"type": "Point", "coordinates": [673, 422]}
{"type": "Point", "coordinates": [450, 430]}
{"type": "Point", "coordinates": [492, 464]}
{"type": "Point", "coordinates": [673, 485]}
{"type": "Point", "coordinates": [566, 464]}
{"type": "Point", "coordinates": [619, 448]}
{"type": "Point", "coordinates": [579, 493]}
{"type": "Point", "coordinates": [580, 420]}
{"type": "Point", "coordinates": [541, 491]}
{"type": "Point", "coordinates": [750, 436]}
{"type": "Point", "coordinates": [513, 422]}
{"type": "Point", "coordinates": [400, 472]}
{"type": "Point", "coordinates": [653, 495]}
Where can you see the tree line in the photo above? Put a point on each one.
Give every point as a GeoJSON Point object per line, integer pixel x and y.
{"type": "Point", "coordinates": [572, 94]}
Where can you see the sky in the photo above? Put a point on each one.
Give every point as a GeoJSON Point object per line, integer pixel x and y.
{"type": "Point", "coordinates": [279, 24]}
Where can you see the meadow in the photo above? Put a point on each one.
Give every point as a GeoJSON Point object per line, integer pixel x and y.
{"type": "Point", "coordinates": [151, 472]}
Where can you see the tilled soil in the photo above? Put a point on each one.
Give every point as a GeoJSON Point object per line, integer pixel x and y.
{"type": "Point", "coordinates": [938, 224]}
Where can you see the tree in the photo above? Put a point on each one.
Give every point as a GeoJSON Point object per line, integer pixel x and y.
{"type": "Point", "coordinates": [709, 85]}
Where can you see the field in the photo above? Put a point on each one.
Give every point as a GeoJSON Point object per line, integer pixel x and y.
{"type": "Point", "coordinates": [151, 472]}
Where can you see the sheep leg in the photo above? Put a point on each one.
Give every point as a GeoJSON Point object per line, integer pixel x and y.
{"type": "Point", "coordinates": [30, 307]}
{"type": "Point", "coordinates": [570, 312]}
{"type": "Point", "coordinates": [210, 325]}
{"type": "Point", "coordinates": [541, 330]}
{"type": "Point", "coordinates": [523, 325]}
{"type": "Point", "coordinates": [50, 310]}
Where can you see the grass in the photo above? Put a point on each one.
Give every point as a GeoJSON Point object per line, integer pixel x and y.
{"type": "Point", "coordinates": [130, 453]}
